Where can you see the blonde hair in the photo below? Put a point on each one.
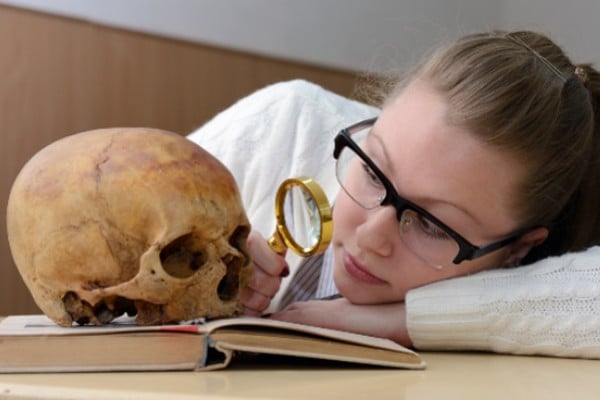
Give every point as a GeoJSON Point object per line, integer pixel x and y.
{"type": "Point", "coordinates": [503, 88]}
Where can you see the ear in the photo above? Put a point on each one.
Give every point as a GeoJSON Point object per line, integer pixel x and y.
{"type": "Point", "coordinates": [518, 250]}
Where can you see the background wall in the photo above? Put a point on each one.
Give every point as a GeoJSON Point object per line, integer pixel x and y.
{"type": "Point", "coordinates": [73, 65]}
{"type": "Point", "coordinates": [573, 24]}
{"type": "Point", "coordinates": [347, 34]}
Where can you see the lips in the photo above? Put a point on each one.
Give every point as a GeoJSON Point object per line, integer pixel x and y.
{"type": "Point", "coordinates": [359, 273]}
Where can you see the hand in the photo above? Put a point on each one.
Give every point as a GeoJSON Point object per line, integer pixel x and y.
{"type": "Point", "coordinates": [269, 269]}
{"type": "Point", "coordinates": [381, 320]}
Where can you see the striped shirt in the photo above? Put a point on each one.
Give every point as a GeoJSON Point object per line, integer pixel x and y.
{"type": "Point", "coordinates": [313, 280]}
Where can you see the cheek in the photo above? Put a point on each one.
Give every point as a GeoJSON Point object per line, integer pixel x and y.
{"type": "Point", "coordinates": [346, 216]}
{"type": "Point", "coordinates": [407, 272]}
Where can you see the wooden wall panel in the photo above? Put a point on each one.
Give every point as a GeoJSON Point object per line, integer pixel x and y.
{"type": "Point", "coordinates": [61, 76]}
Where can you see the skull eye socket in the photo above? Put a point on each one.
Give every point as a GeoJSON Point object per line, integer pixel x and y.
{"type": "Point", "coordinates": [180, 260]}
{"type": "Point", "coordinates": [230, 284]}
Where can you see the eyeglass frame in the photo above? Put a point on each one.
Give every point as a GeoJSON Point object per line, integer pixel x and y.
{"type": "Point", "coordinates": [466, 250]}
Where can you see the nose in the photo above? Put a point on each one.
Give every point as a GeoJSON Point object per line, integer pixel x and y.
{"type": "Point", "coordinates": [379, 231]}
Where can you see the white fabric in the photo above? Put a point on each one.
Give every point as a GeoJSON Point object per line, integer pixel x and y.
{"type": "Point", "coordinates": [551, 307]}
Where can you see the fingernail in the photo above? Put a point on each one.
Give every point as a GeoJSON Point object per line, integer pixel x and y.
{"type": "Point", "coordinates": [285, 272]}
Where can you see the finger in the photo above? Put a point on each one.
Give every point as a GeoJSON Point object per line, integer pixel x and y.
{"type": "Point", "coordinates": [263, 283]}
{"type": "Point", "coordinates": [263, 256]}
{"type": "Point", "coordinates": [252, 313]}
{"type": "Point", "coordinates": [254, 300]}
{"type": "Point", "coordinates": [312, 312]}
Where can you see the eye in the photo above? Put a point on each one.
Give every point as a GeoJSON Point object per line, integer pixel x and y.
{"type": "Point", "coordinates": [430, 229]}
{"type": "Point", "coordinates": [371, 176]}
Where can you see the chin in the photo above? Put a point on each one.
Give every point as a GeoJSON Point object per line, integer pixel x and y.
{"type": "Point", "coordinates": [357, 295]}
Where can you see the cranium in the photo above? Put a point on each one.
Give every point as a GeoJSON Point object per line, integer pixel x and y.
{"type": "Point", "coordinates": [128, 220]}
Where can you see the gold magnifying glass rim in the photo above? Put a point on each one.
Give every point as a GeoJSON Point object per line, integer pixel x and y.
{"type": "Point", "coordinates": [323, 208]}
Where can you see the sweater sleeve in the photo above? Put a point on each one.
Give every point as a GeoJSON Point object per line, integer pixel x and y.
{"type": "Point", "coordinates": [551, 307]}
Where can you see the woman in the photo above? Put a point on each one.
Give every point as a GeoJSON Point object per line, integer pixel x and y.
{"type": "Point", "coordinates": [484, 157]}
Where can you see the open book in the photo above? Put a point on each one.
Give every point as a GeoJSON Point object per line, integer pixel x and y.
{"type": "Point", "coordinates": [33, 343]}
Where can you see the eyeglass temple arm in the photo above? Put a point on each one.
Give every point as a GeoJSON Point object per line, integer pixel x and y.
{"type": "Point", "coordinates": [476, 252]}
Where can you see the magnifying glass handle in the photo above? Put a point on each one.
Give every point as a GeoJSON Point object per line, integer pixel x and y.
{"type": "Point", "coordinates": [277, 243]}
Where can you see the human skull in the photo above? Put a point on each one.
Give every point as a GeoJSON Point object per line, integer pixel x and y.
{"type": "Point", "coordinates": [128, 220]}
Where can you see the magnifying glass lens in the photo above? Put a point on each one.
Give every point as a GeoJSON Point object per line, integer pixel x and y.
{"type": "Point", "coordinates": [302, 217]}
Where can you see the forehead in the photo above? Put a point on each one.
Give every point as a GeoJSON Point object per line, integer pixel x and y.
{"type": "Point", "coordinates": [433, 162]}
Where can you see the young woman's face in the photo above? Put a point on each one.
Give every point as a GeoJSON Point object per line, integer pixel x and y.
{"type": "Point", "coordinates": [445, 170]}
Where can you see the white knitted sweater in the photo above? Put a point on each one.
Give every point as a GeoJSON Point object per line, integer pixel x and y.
{"type": "Point", "coordinates": [287, 129]}
{"type": "Point", "coordinates": [551, 307]}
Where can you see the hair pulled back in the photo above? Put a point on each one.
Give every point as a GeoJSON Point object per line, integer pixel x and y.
{"type": "Point", "coordinates": [520, 93]}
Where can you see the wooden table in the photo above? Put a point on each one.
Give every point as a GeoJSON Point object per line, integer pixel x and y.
{"type": "Point", "coordinates": [448, 376]}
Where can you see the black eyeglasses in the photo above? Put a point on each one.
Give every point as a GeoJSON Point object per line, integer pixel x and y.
{"type": "Point", "coordinates": [426, 236]}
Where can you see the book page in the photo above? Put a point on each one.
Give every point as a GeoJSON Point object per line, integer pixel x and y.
{"type": "Point", "coordinates": [24, 325]}
{"type": "Point", "coordinates": [299, 344]}
{"type": "Point", "coordinates": [27, 325]}
{"type": "Point", "coordinates": [308, 329]}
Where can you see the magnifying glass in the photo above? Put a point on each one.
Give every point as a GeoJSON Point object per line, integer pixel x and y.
{"type": "Point", "coordinates": [303, 218]}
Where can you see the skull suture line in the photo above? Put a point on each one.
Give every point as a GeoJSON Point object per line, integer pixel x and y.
{"type": "Point", "coordinates": [129, 220]}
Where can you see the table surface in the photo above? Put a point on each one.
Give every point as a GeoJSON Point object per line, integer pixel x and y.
{"type": "Point", "coordinates": [448, 376]}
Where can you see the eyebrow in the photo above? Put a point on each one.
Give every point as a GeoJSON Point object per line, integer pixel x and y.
{"type": "Point", "coordinates": [387, 160]}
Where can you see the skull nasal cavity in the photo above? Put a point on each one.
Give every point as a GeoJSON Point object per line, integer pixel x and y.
{"type": "Point", "coordinates": [180, 260]}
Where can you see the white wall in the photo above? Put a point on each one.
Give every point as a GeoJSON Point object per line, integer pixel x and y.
{"type": "Point", "coordinates": [349, 34]}
{"type": "Point", "coordinates": [573, 24]}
